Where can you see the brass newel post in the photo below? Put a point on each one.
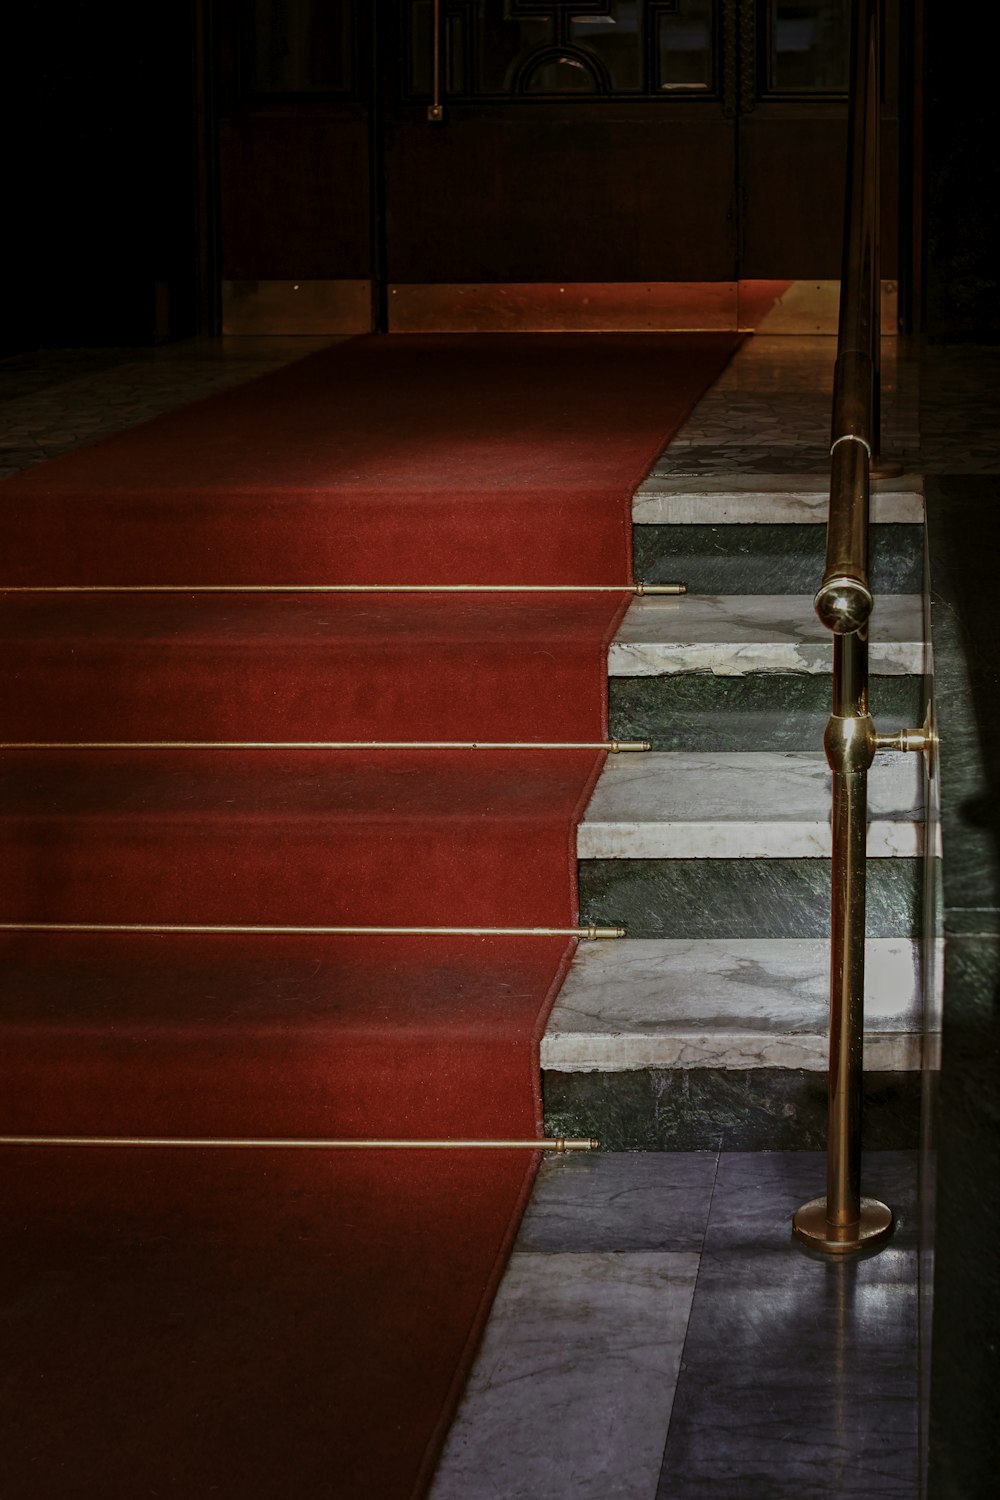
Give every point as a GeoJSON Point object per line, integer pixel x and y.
{"type": "Point", "coordinates": [844, 1221]}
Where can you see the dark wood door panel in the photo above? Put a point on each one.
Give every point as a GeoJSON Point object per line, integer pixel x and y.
{"type": "Point", "coordinates": [616, 194]}
{"type": "Point", "coordinates": [792, 200]}
{"type": "Point", "coordinates": [792, 170]}
{"type": "Point", "coordinates": [295, 193]}
{"type": "Point", "coordinates": [584, 157]}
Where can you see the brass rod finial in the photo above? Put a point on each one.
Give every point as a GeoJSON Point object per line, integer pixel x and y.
{"type": "Point", "coordinates": [619, 747]}
{"type": "Point", "coordinates": [642, 589]}
{"type": "Point", "coordinates": [844, 604]}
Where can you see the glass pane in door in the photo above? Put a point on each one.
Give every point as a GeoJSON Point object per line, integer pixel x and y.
{"type": "Point", "coordinates": [809, 46]}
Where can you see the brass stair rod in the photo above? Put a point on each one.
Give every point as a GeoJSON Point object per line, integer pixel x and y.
{"type": "Point", "coordinates": [613, 747]}
{"type": "Point", "coordinates": [640, 590]}
{"type": "Point", "coordinates": [558, 1143]}
{"type": "Point", "coordinates": [589, 933]}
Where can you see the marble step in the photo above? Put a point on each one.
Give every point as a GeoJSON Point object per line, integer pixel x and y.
{"type": "Point", "coordinates": [769, 558]}
{"type": "Point", "coordinates": [726, 1003]}
{"type": "Point", "coordinates": [758, 711]}
{"type": "Point", "coordinates": [736, 635]}
{"type": "Point", "coordinates": [755, 498]}
{"type": "Point", "coordinates": [745, 805]}
{"type": "Point", "coordinates": [742, 898]}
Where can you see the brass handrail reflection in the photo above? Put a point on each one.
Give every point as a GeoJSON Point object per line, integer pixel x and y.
{"type": "Point", "coordinates": [844, 1221]}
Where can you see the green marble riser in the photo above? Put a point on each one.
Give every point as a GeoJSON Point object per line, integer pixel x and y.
{"type": "Point", "coordinates": [763, 711]}
{"type": "Point", "coordinates": [747, 898]}
{"type": "Point", "coordinates": [766, 1109]}
{"type": "Point", "coordinates": [769, 559]}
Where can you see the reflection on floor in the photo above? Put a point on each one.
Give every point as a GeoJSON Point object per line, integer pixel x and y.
{"type": "Point", "coordinates": [658, 1335]}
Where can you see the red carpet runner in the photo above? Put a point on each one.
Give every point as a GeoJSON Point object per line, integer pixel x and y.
{"type": "Point", "coordinates": [273, 1323]}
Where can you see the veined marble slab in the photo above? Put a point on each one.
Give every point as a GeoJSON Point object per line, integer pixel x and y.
{"type": "Point", "coordinates": [731, 635]}
{"type": "Point", "coordinates": [755, 499]}
{"type": "Point", "coordinates": [570, 1395]}
{"type": "Point", "coordinates": [743, 805]}
{"type": "Point", "coordinates": [799, 1378]}
{"type": "Point", "coordinates": [727, 1003]}
{"type": "Point", "coordinates": [623, 1201]}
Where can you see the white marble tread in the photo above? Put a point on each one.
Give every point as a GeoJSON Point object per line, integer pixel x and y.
{"type": "Point", "coordinates": [731, 635]}
{"type": "Point", "coordinates": [727, 1003]}
{"type": "Point", "coordinates": [742, 805]}
{"type": "Point", "coordinates": [756, 499]}
{"type": "Point", "coordinates": [572, 1389]}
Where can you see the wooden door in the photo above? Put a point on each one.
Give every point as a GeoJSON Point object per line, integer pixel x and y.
{"type": "Point", "coordinates": [529, 163]}
{"type": "Point", "coordinates": [582, 143]}
{"type": "Point", "coordinates": [794, 66]}
{"type": "Point", "coordinates": [295, 163]}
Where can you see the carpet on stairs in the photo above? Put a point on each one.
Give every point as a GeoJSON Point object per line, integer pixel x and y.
{"type": "Point", "coordinates": [187, 1323]}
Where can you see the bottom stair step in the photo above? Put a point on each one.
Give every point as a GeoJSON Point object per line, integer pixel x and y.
{"type": "Point", "coordinates": [698, 1045]}
{"type": "Point", "coordinates": [711, 1109]}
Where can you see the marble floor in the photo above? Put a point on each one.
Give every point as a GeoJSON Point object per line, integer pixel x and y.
{"type": "Point", "coordinates": [659, 1337]}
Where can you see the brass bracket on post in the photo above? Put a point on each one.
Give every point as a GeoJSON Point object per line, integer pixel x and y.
{"type": "Point", "coordinates": [923, 740]}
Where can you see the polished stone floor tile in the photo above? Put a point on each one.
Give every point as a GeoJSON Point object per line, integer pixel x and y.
{"type": "Point", "coordinates": [799, 1374]}
{"type": "Point", "coordinates": [570, 1395]}
{"type": "Point", "coordinates": [620, 1201]}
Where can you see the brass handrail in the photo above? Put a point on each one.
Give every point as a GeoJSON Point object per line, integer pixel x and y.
{"type": "Point", "coordinates": [843, 1221]}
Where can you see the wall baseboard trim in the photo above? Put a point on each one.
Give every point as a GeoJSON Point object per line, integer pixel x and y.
{"type": "Point", "coordinates": [296, 307]}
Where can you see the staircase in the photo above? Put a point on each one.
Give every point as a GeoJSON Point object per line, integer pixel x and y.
{"type": "Point", "coordinates": [708, 1028]}
{"type": "Point", "coordinates": [705, 1029]}
{"type": "Point", "coordinates": [657, 1334]}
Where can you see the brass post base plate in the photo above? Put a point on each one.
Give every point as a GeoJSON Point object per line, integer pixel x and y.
{"type": "Point", "coordinates": [810, 1227]}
